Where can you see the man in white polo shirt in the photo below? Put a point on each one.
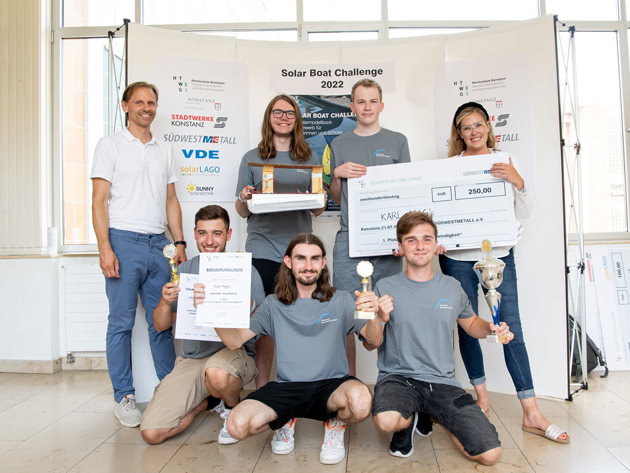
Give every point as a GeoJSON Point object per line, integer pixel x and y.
{"type": "Point", "coordinates": [133, 200]}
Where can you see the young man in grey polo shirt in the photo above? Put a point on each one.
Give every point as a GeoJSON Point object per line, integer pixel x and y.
{"type": "Point", "coordinates": [416, 362]}
{"type": "Point", "coordinates": [367, 145]}
{"type": "Point", "coordinates": [133, 200]}
{"type": "Point", "coordinates": [309, 321]}
{"type": "Point", "coordinates": [208, 371]}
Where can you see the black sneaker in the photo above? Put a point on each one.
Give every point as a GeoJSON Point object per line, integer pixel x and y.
{"type": "Point", "coordinates": [402, 441]}
{"type": "Point", "coordinates": [424, 426]}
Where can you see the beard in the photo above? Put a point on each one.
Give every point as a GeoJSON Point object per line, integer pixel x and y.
{"type": "Point", "coordinates": [307, 278]}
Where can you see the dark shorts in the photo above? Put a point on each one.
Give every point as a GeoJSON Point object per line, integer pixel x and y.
{"type": "Point", "coordinates": [268, 270]}
{"type": "Point", "coordinates": [299, 399]}
{"type": "Point", "coordinates": [450, 406]}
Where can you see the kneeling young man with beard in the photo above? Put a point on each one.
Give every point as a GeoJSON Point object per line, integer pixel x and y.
{"type": "Point", "coordinates": [208, 372]}
{"type": "Point", "coordinates": [309, 321]}
{"type": "Point", "coordinates": [416, 379]}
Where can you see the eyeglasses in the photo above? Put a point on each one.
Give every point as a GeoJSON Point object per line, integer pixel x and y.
{"type": "Point", "coordinates": [278, 113]}
{"type": "Point", "coordinates": [467, 130]}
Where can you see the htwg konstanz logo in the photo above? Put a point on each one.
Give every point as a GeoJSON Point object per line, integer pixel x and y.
{"type": "Point", "coordinates": [325, 318]}
{"type": "Point", "coordinates": [443, 304]}
{"type": "Point", "coordinates": [182, 86]}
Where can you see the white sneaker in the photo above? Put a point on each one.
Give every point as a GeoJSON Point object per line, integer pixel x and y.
{"type": "Point", "coordinates": [127, 412]}
{"type": "Point", "coordinates": [333, 448]}
{"type": "Point", "coordinates": [224, 436]}
{"type": "Point", "coordinates": [283, 442]}
{"type": "Point", "coordinates": [219, 408]}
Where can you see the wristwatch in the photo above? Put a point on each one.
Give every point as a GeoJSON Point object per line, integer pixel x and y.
{"type": "Point", "coordinates": [180, 243]}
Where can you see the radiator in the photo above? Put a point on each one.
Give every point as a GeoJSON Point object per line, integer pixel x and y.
{"type": "Point", "coordinates": [86, 308]}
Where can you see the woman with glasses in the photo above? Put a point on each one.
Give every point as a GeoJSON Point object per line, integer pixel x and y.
{"type": "Point", "coordinates": [472, 135]}
{"type": "Point", "coordinates": [269, 234]}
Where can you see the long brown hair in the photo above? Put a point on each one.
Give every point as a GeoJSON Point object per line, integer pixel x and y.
{"type": "Point", "coordinates": [456, 144]}
{"type": "Point", "coordinates": [300, 149]}
{"type": "Point", "coordinates": [286, 289]}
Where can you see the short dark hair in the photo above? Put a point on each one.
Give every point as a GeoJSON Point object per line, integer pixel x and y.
{"type": "Point", "coordinates": [131, 88]}
{"type": "Point", "coordinates": [408, 221]}
{"type": "Point", "coordinates": [213, 212]}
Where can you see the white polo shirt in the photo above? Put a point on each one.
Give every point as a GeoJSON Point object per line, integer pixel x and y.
{"type": "Point", "coordinates": [138, 174]}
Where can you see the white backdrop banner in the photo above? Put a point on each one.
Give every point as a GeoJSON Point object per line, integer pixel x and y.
{"type": "Point", "coordinates": [203, 114]}
{"type": "Point", "coordinates": [503, 86]}
{"type": "Point", "coordinates": [411, 111]}
{"type": "Point", "coordinates": [332, 79]}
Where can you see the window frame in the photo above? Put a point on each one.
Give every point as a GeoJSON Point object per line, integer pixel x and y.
{"type": "Point", "coordinates": [620, 27]}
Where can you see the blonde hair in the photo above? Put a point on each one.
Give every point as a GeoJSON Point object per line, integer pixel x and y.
{"type": "Point", "coordinates": [367, 83]}
{"type": "Point", "coordinates": [456, 144]}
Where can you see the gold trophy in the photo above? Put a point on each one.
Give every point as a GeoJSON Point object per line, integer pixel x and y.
{"type": "Point", "coordinates": [490, 273]}
{"type": "Point", "coordinates": [365, 270]}
{"type": "Point", "coordinates": [170, 251]}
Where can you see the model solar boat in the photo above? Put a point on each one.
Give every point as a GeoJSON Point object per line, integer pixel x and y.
{"type": "Point", "coordinates": [269, 201]}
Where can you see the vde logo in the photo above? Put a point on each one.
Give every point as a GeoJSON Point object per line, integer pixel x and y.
{"type": "Point", "coordinates": [201, 153]}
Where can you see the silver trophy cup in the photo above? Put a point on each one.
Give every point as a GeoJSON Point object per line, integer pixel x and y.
{"type": "Point", "coordinates": [489, 270]}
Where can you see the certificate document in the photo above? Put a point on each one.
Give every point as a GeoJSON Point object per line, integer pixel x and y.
{"type": "Point", "coordinates": [186, 327]}
{"type": "Point", "coordinates": [468, 204]}
{"type": "Point", "coordinates": [227, 277]}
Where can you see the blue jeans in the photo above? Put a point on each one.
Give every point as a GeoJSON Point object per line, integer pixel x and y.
{"type": "Point", "coordinates": [515, 352]}
{"type": "Point", "coordinates": [143, 269]}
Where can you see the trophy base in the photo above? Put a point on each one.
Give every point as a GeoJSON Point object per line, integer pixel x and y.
{"type": "Point", "coordinates": [365, 315]}
{"type": "Point", "coordinates": [494, 338]}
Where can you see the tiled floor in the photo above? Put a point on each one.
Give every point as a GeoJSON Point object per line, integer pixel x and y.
{"type": "Point", "coordinates": [64, 423]}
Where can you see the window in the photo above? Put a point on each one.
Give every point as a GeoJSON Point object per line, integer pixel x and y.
{"type": "Point", "coordinates": [573, 10]}
{"type": "Point", "coordinates": [453, 10]}
{"type": "Point", "coordinates": [88, 95]}
{"type": "Point", "coordinates": [347, 10]}
{"type": "Point", "coordinates": [260, 35]}
{"type": "Point", "coordinates": [602, 152]}
{"type": "Point", "coordinates": [161, 12]}
{"type": "Point", "coordinates": [407, 32]}
{"type": "Point", "coordinates": [88, 111]}
{"type": "Point", "coordinates": [343, 36]}
{"type": "Point", "coordinates": [97, 12]}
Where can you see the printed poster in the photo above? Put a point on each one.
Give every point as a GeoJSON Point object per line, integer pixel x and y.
{"type": "Point", "coordinates": [502, 85]}
{"type": "Point", "coordinates": [203, 114]}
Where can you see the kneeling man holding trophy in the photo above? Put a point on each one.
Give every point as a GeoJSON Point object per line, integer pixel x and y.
{"type": "Point", "coordinates": [208, 375]}
{"type": "Point", "coordinates": [416, 382]}
{"type": "Point", "coordinates": [309, 321]}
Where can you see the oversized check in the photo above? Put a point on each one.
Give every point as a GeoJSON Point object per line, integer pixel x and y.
{"type": "Point", "coordinates": [228, 278]}
{"type": "Point", "coordinates": [468, 204]}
